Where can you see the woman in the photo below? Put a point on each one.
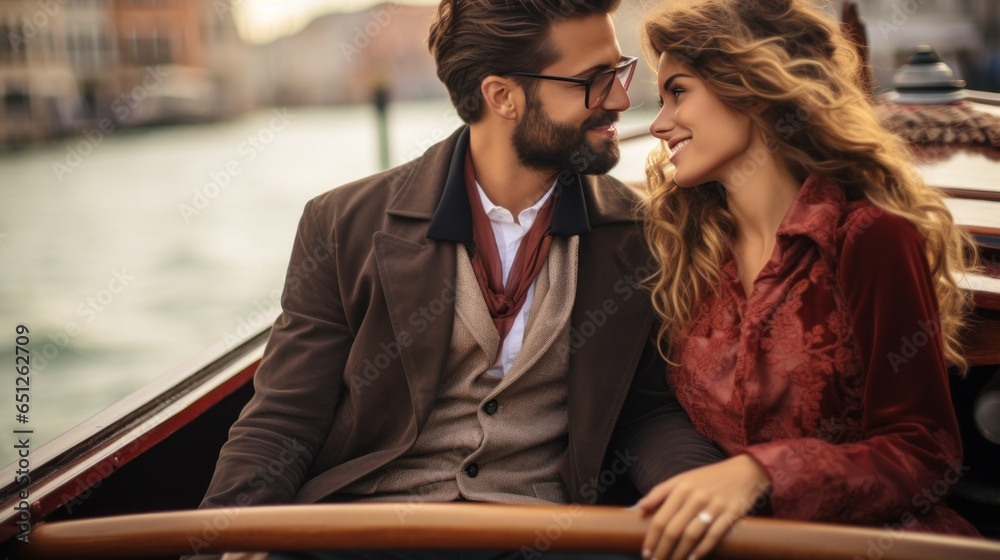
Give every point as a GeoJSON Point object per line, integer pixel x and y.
{"type": "Point", "coordinates": [806, 283]}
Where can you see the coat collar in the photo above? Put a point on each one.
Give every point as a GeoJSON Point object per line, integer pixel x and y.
{"type": "Point", "coordinates": [434, 190]}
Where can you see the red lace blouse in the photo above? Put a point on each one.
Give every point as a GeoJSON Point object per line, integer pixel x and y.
{"type": "Point", "coordinates": [832, 374]}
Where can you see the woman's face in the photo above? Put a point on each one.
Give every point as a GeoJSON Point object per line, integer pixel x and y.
{"type": "Point", "coordinates": [707, 141]}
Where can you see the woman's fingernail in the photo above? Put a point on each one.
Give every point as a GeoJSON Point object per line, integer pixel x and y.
{"type": "Point", "coordinates": [646, 553]}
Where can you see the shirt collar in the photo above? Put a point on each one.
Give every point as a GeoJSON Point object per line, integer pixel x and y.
{"type": "Point", "coordinates": [816, 212]}
{"type": "Point", "coordinates": [452, 221]}
{"type": "Point", "coordinates": [525, 218]}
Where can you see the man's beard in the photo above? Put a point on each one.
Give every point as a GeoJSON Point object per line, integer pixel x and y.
{"type": "Point", "coordinates": [544, 144]}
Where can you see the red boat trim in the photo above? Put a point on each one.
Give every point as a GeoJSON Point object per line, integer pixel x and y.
{"type": "Point", "coordinates": [112, 438]}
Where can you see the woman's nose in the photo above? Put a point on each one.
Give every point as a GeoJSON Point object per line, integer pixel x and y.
{"type": "Point", "coordinates": [662, 124]}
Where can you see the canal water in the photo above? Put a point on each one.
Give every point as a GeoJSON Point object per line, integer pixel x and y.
{"type": "Point", "coordinates": [130, 253]}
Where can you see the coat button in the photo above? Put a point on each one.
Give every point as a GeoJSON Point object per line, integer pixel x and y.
{"type": "Point", "coordinates": [472, 470]}
{"type": "Point", "coordinates": [491, 407]}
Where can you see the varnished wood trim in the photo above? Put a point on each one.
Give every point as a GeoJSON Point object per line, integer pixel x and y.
{"type": "Point", "coordinates": [972, 194]}
{"type": "Point", "coordinates": [462, 526]}
{"type": "Point", "coordinates": [981, 337]}
{"type": "Point", "coordinates": [982, 230]}
{"type": "Point", "coordinates": [984, 97]}
{"type": "Point", "coordinates": [987, 300]}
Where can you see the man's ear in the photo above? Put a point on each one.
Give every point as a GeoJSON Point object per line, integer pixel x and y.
{"type": "Point", "coordinates": [503, 96]}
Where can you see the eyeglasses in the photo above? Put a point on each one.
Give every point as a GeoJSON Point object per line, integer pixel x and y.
{"type": "Point", "coordinates": [599, 85]}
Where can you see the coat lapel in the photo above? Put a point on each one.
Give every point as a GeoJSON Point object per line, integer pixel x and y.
{"type": "Point", "coordinates": [418, 276]}
{"type": "Point", "coordinates": [471, 307]}
{"type": "Point", "coordinates": [612, 317]}
{"type": "Point", "coordinates": [419, 285]}
{"type": "Point", "coordinates": [553, 305]}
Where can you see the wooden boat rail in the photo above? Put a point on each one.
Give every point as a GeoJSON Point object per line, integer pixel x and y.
{"type": "Point", "coordinates": [409, 526]}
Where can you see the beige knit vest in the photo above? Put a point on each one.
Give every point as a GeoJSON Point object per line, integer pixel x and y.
{"type": "Point", "coordinates": [511, 455]}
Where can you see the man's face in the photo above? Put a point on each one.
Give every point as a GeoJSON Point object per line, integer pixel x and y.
{"type": "Point", "coordinates": [557, 131]}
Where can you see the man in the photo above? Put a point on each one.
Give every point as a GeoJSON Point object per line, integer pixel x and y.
{"type": "Point", "coordinates": [473, 330]}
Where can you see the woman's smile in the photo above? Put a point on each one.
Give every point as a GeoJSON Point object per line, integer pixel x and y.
{"type": "Point", "coordinates": [689, 107]}
{"type": "Point", "coordinates": [676, 148]}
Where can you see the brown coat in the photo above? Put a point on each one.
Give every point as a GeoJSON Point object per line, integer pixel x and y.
{"type": "Point", "coordinates": [354, 362]}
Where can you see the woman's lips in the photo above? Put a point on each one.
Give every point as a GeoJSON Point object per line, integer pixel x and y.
{"type": "Point", "coordinates": [678, 147]}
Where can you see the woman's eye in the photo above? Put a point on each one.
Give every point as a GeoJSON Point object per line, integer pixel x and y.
{"type": "Point", "coordinates": [676, 92]}
{"type": "Point", "coordinates": [659, 101]}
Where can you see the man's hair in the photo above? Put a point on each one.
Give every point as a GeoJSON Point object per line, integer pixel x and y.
{"type": "Point", "coordinates": [472, 39]}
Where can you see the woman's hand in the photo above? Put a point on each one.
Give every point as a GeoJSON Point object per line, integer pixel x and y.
{"type": "Point", "coordinates": [694, 510]}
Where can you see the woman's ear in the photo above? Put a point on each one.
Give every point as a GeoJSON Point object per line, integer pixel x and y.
{"type": "Point", "coordinates": [503, 96]}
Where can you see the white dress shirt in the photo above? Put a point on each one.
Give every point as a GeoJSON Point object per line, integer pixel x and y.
{"type": "Point", "coordinates": [509, 234]}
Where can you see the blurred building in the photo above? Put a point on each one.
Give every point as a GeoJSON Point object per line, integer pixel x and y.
{"type": "Point", "coordinates": [70, 65]}
{"type": "Point", "coordinates": [161, 75]}
{"type": "Point", "coordinates": [343, 58]}
{"type": "Point", "coordinates": [38, 85]}
{"type": "Point", "coordinates": [88, 29]}
{"type": "Point", "coordinates": [179, 60]}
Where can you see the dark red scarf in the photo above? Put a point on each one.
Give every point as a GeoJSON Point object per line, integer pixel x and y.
{"type": "Point", "coordinates": [504, 302]}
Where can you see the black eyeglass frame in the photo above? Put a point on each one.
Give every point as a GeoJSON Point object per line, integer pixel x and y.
{"type": "Point", "coordinates": [627, 63]}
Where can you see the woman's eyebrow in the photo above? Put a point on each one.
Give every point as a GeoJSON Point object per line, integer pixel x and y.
{"type": "Point", "coordinates": [671, 79]}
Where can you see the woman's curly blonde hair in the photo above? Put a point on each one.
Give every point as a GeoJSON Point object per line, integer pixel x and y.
{"type": "Point", "coordinates": [792, 57]}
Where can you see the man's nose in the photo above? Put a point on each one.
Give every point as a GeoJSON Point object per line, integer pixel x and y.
{"type": "Point", "coordinates": [617, 99]}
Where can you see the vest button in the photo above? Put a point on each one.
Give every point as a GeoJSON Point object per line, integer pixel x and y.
{"type": "Point", "coordinates": [491, 407]}
{"type": "Point", "coordinates": [472, 470]}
